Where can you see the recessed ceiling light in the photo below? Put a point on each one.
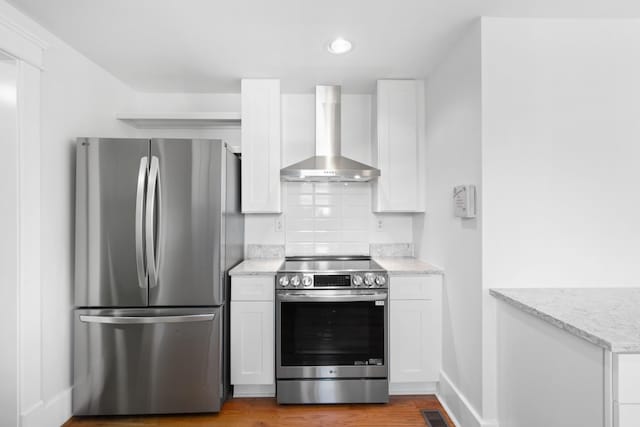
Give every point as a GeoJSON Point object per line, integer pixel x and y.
{"type": "Point", "coordinates": [340, 46]}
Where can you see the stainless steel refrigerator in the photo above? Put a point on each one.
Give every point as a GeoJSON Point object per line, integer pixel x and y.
{"type": "Point", "coordinates": [158, 225]}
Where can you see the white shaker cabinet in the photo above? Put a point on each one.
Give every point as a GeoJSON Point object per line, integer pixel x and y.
{"type": "Point", "coordinates": [415, 333]}
{"type": "Point", "coordinates": [252, 335]}
{"type": "Point", "coordinates": [398, 146]}
{"type": "Point", "coordinates": [260, 134]}
{"type": "Point", "coordinates": [626, 390]}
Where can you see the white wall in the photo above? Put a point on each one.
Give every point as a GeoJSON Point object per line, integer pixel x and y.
{"type": "Point", "coordinates": [556, 106]}
{"type": "Point", "coordinates": [453, 158]}
{"type": "Point", "coordinates": [298, 143]}
{"type": "Point", "coordinates": [562, 102]}
{"type": "Point", "coordinates": [78, 98]}
{"type": "Point", "coordinates": [189, 102]}
{"type": "Point", "coordinates": [560, 157]}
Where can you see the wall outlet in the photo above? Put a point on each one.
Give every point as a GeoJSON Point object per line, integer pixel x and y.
{"type": "Point", "coordinates": [379, 224]}
{"type": "Point", "coordinates": [278, 224]}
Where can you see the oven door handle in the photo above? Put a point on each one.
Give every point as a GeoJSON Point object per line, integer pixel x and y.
{"type": "Point", "coordinates": [310, 297]}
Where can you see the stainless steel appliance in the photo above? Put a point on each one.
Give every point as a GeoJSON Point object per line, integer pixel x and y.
{"type": "Point", "coordinates": [328, 164]}
{"type": "Point", "coordinates": [158, 225]}
{"type": "Point", "coordinates": [331, 331]}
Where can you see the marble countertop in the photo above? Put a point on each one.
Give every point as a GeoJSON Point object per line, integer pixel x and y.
{"type": "Point", "coordinates": [394, 265]}
{"type": "Point", "coordinates": [607, 317]}
{"type": "Point", "coordinates": [407, 265]}
{"type": "Point", "coordinates": [257, 266]}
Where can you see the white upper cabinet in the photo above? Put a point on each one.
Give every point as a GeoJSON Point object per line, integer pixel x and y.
{"type": "Point", "coordinates": [398, 146]}
{"type": "Point", "coordinates": [261, 146]}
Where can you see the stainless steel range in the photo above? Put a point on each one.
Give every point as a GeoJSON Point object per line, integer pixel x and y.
{"type": "Point", "coordinates": [331, 331]}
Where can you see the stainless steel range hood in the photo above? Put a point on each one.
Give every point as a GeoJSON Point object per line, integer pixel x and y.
{"type": "Point", "coordinates": [328, 164]}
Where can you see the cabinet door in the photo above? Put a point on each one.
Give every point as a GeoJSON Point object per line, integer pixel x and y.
{"type": "Point", "coordinates": [397, 150]}
{"type": "Point", "coordinates": [252, 342]}
{"type": "Point", "coordinates": [260, 146]}
{"type": "Point", "coordinates": [414, 340]}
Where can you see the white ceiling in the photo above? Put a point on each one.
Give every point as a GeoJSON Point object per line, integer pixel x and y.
{"type": "Point", "coordinates": [208, 45]}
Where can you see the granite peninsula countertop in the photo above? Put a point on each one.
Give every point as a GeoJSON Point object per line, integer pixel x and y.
{"type": "Point", "coordinates": [607, 317]}
{"type": "Point", "coordinates": [407, 265]}
{"type": "Point", "coordinates": [257, 266]}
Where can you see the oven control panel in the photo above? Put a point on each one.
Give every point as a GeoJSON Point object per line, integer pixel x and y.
{"type": "Point", "coordinates": [332, 281]}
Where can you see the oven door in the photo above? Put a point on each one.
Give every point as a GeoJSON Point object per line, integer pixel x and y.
{"type": "Point", "coordinates": [331, 334]}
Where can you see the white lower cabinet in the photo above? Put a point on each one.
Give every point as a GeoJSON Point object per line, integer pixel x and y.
{"type": "Point", "coordinates": [626, 390]}
{"type": "Point", "coordinates": [415, 333]}
{"type": "Point", "coordinates": [628, 415]}
{"type": "Point", "coordinates": [252, 335]}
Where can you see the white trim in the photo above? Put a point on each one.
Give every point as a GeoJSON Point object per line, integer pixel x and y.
{"type": "Point", "coordinates": [448, 410]}
{"type": "Point", "coordinates": [29, 283]}
{"type": "Point", "coordinates": [399, 389]}
{"type": "Point", "coordinates": [20, 43]}
{"type": "Point", "coordinates": [259, 390]}
{"type": "Point", "coordinates": [458, 406]}
{"type": "Point", "coordinates": [23, 32]}
{"type": "Point", "coordinates": [56, 411]}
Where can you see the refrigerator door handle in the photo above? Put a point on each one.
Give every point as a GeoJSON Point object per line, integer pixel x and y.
{"type": "Point", "coordinates": [150, 223]}
{"type": "Point", "coordinates": [140, 264]}
{"type": "Point", "coordinates": [138, 320]}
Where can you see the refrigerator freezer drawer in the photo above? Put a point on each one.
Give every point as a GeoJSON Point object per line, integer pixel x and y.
{"type": "Point", "coordinates": [147, 361]}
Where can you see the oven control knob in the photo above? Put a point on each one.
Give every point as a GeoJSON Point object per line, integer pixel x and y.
{"type": "Point", "coordinates": [306, 281]}
{"type": "Point", "coordinates": [357, 280]}
{"type": "Point", "coordinates": [295, 281]}
{"type": "Point", "coordinates": [381, 280]}
{"type": "Point", "coordinates": [370, 279]}
{"type": "Point", "coordinates": [284, 281]}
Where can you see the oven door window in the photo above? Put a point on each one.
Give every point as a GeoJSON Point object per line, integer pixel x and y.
{"type": "Point", "coordinates": [332, 333]}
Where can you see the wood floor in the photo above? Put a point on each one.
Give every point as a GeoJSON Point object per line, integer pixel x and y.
{"type": "Point", "coordinates": [264, 412]}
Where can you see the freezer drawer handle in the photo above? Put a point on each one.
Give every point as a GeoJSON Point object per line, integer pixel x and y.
{"type": "Point", "coordinates": [136, 320]}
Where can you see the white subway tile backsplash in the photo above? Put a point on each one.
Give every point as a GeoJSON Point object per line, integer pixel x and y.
{"type": "Point", "coordinates": [327, 218]}
{"type": "Point", "coordinates": [328, 199]}
{"type": "Point", "coordinates": [299, 224]}
{"type": "Point", "coordinates": [300, 236]}
{"type": "Point", "coordinates": [300, 200]}
{"type": "Point", "coordinates": [356, 224]}
{"type": "Point", "coordinates": [328, 236]}
{"type": "Point", "coordinates": [354, 236]}
{"type": "Point", "coordinates": [299, 212]}
{"type": "Point", "coordinates": [357, 248]}
{"type": "Point", "coordinates": [328, 211]}
{"type": "Point", "coordinates": [299, 248]}
{"type": "Point", "coordinates": [300, 187]}
{"type": "Point", "coordinates": [328, 224]}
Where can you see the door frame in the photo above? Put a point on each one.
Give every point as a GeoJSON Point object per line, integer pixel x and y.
{"type": "Point", "coordinates": [21, 379]}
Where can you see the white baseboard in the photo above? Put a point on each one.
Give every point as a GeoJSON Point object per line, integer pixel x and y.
{"type": "Point", "coordinates": [460, 410]}
{"type": "Point", "coordinates": [243, 390]}
{"type": "Point", "coordinates": [53, 413]}
{"type": "Point", "coordinates": [398, 389]}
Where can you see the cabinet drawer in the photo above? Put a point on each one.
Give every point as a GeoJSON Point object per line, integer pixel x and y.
{"type": "Point", "coordinates": [425, 287]}
{"type": "Point", "coordinates": [628, 387]}
{"type": "Point", "coordinates": [627, 416]}
{"type": "Point", "coordinates": [252, 288]}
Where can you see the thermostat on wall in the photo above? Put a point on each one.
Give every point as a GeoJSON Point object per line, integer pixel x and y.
{"type": "Point", "coordinates": [464, 201]}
